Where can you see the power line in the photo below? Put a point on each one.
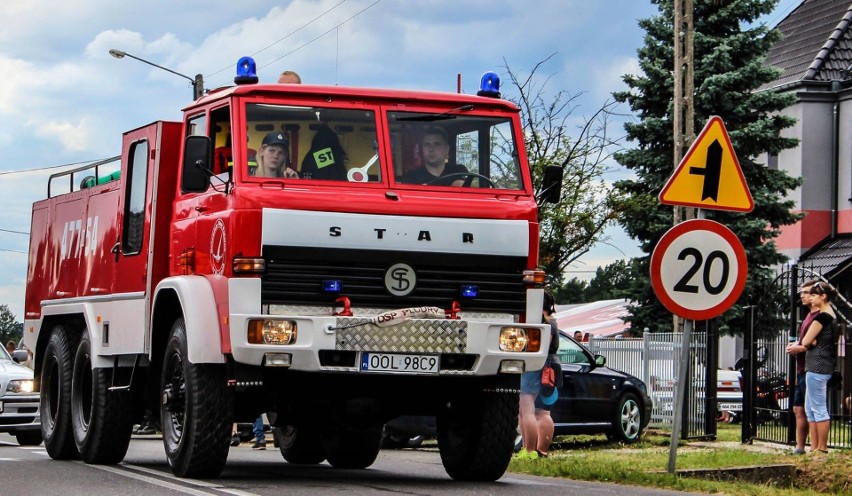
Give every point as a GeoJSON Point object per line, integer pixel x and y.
{"type": "Point", "coordinates": [14, 232]}
{"type": "Point", "coordinates": [782, 14]}
{"type": "Point", "coordinates": [4, 173]}
{"type": "Point", "coordinates": [12, 251]}
{"type": "Point", "coordinates": [303, 26]}
{"type": "Point", "coordinates": [320, 36]}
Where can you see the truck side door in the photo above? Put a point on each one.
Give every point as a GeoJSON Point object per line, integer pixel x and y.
{"type": "Point", "coordinates": [130, 249]}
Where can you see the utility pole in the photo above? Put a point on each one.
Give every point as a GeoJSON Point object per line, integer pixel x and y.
{"type": "Point", "coordinates": [683, 136]}
{"type": "Point", "coordinates": [684, 90]}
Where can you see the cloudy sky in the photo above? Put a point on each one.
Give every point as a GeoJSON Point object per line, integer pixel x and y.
{"type": "Point", "coordinates": [64, 99]}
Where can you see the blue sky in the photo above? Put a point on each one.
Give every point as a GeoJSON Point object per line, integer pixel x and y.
{"type": "Point", "coordinates": [64, 99]}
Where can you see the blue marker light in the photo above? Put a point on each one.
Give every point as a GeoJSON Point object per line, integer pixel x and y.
{"type": "Point", "coordinates": [470, 291]}
{"type": "Point", "coordinates": [489, 85]}
{"type": "Point", "coordinates": [246, 71]}
{"type": "Point", "coordinates": [331, 285]}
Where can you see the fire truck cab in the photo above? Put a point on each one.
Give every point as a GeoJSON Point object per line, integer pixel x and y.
{"type": "Point", "coordinates": [291, 250]}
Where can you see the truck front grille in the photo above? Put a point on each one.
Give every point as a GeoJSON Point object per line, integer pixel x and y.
{"type": "Point", "coordinates": [294, 275]}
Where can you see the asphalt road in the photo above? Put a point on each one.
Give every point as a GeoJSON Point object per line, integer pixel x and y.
{"type": "Point", "coordinates": [144, 472]}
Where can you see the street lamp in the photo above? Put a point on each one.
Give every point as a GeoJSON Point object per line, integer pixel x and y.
{"type": "Point", "coordinates": [197, 82]}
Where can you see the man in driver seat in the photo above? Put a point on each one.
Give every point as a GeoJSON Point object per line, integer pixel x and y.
{"type": "Point", "coordinates": [434, 150]}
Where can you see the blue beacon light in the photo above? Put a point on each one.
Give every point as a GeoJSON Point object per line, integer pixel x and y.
{"type": "Point", "coordinates": [246, 71]}
{"type": "Point", "coordinates": [331, 285]}
{"type": "Point", "coordinates": [469, 291]}
{"type": "Point", "coordinates": [489, 85]}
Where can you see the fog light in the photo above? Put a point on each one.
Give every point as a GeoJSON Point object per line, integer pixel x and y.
{"type": "Point", "coordinates": [272, 331]}
{"type": "Point", "coordinates": [277, 359]}
{"type": "Point", "coordinates": [520, 339]}
{"type": "Point", "coordinates": [512, 367]}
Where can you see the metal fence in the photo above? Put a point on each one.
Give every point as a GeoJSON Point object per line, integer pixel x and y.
{"type": "Point", "coordinates": [771, 418]}
{"type": "Point", "coordinates": [654, 358]}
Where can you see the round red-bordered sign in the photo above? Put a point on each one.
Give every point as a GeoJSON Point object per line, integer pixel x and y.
{"type": "Point", "coordinates": [698, 269]}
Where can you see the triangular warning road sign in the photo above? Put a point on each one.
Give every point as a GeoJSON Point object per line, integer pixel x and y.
{"type": "Point", "coordinates": [709, 176]}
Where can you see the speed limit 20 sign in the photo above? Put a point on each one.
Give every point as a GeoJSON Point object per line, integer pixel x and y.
{"type": "Point", "coordinates": [698, 269]}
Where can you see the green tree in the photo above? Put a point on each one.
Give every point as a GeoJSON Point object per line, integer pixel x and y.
{"type": "Point", "coordinates": [729, 54]}
{"type": "Point", "coordinates": [10, 328]}
{"type": "Point", "coordinates": [611, 282]}
{"type": "Point", "coordinates": [570, 228]}
{"type": "Point", "coordinates": [573, 291]}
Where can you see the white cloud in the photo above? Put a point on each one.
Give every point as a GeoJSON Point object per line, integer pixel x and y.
{"type": "Point", "coordinates": [63, 99]}
{"type": "Point", "coordinates": [73, 137]}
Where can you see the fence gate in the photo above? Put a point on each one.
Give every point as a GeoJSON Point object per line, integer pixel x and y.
{"type": "Point", "coordinates": [654, 358]}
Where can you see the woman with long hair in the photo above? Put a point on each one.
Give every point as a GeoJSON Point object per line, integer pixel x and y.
{"type": "Point", "coordinates": [820, 343]}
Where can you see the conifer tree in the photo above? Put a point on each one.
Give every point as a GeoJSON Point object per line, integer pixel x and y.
{"type": "Point", "coordinates": [730, 48]}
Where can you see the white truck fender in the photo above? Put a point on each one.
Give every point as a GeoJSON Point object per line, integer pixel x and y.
{"type": "Point", "coordinates": [198, 305]}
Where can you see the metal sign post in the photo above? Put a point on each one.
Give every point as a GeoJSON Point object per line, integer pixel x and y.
{"type": "Point", "coordinates": [680, 390]}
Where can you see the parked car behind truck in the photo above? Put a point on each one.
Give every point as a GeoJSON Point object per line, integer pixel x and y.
{"type": "Point", "coordinates": [19, 413]}
{"type": "Point", "coordinates": [594, 399]}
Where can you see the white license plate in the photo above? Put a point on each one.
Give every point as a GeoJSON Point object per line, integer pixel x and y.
{"type": "Point", "coordinates": [733, 407]}
{"type": "Point", "coordinates": [399, 364]}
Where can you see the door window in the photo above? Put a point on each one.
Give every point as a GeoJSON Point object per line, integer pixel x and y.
{"type": "Point", "coordinates": [134, 201]}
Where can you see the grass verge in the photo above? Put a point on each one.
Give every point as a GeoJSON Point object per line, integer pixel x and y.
{"type": "Point", "coordinates": [592, 458]}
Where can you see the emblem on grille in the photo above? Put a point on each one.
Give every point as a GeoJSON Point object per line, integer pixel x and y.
{"type": "Point", "coordinates": [400, 279]}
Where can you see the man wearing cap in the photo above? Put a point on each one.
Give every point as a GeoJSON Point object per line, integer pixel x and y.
{"type": "Point", "coordinates": [273, 158]}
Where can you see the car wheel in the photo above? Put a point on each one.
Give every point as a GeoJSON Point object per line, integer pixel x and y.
{"type": "Point", "coordinates": [395, 441]}
{"type": "Point", "coordinates": [101, 418]}
{"type": "Point", "coordinates": [628, 421]}
{"type": "Point", "coordinates": [476, 434]}
{"type": "Point", "coordinates": [55, 396]}
{"type": "Point", "coordinates": [196, 411]}
{"type": "Point", "coordinates": [28, 438]}
{"type": "Point", "coordinates": [347, 447]}
{"type": "Point", "coordinates": [300, 445]}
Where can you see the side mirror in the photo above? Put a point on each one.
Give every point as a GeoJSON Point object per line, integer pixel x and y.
{"type": "Point", "coordinates": [600, 360]}
{"type": "Point", "coordinates": [20, 356]}
{"type": "Point", "coordinates": [197, 157]}
{"type": "Point", "coordinates": [551, 185]}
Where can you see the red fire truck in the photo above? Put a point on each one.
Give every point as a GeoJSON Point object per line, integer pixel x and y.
{"type": "Point", "coordinates": [185, 279]}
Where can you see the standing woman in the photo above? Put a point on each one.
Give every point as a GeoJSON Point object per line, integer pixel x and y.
{"type": "Point", "coordinates": [534, 418]}
{"type": "Point", "coordinates": [821, 345]}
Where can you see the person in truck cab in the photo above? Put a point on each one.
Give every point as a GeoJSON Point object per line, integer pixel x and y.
{"type": "Point", "coordinates": [289, 77]}
{"type": "Point", "coordinates": [273, 158]}
{"type": "Point", "coordinates": [434, 150]}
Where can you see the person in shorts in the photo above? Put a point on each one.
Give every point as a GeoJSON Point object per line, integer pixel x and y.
{"type": "Point", "coordinates": [534, 416]}
{"type": "Point", "coordinates": [800, 388]}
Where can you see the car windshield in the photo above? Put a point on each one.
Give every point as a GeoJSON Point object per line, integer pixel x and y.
{"type": "Point", "coordinates": [447, 149]}
{"type": "Point", "coordinates": [4, 355]}
{"type": "Point", "coordinates": [314, 143]}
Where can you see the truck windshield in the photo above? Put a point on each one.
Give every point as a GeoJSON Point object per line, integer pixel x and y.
{"type": "Point", "coordinates": [312, 143]}
{"type": "Point", "coordinates": [452, 149]}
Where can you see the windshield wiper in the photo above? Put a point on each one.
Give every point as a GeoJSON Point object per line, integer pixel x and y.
{"type": "Point", "coordinates": [437, 117]}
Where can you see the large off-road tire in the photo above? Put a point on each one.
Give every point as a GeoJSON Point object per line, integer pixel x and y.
{"type": "Point", "coordinates": [476, 435]}
{"type": "Point", "coordinates": [300, 445]}
{"type": "Point", "coordinates": [55, 396]}
{"type": "Point", "coordinates": [28, 438]}
{"type": "Point", "coordinates": [101, 418]}
{"type": "Point", "coordinates": [196, 411]}
{"type": "Point", "coordinates": [627, 421]}
{"type": "Point", "coordinates": [348, 447]}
